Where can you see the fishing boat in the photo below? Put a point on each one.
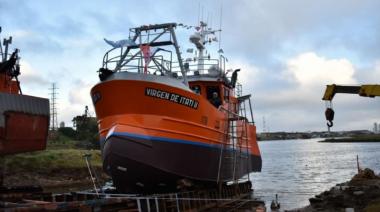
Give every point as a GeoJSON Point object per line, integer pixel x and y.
{"type": "Point", "coordinates": [164, 120]}
{"type": "Point", "coordinates": [24, 120]}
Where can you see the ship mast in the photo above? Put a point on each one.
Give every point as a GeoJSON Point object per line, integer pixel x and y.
{"type": "Point", "coordinates": [199, 39]}
{"type": "Point", "coordinates": [201, 50]}
{"type": "Point", "coordinates": [1, 49]}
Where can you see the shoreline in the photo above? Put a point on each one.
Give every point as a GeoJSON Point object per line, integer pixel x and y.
{"type": "Point", "coordinates": [361, 193]}
{"type": "Point", "coordinates": [358, 139]}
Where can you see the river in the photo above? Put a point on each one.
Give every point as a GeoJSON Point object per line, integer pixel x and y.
{"type": "Point", "coordinates": [299, 169]}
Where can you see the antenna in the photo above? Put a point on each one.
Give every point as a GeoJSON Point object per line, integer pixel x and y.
{"type": "Point", "coordinates": [199, 12]}
{"type": "Point", "coordinates": [220, 25]}
{"type": "Point", "coordinates": [6, 46]}
{"type": "Point", "coordinates": [210, 24]}
{"type": "Point", "coordinates": [202, 13]}
{"type": "Point", "coordinates": [1, 47]}
{"type": "Point", "coordinates": [53, 107]}
{"type": "Point", "coordinates": [208, 17]}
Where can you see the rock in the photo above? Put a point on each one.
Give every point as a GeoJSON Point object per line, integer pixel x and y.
{"type": "Point", "coordinates": [365, 174]}
{"type": "Point", "coordinates": [337, 200]}
{"type": "Point", "coordinates": [358, 193]}
{"type": "Point", "coordinates": [354, 195]}
{"type": "Point", "coordinates": [315, 200]}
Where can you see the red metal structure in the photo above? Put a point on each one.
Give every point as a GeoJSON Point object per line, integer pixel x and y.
{"type": "Point", "coordinates": [24, 120]}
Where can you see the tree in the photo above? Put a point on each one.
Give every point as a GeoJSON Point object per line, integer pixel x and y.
{"type": "Point", "coordinates": [86, 130]}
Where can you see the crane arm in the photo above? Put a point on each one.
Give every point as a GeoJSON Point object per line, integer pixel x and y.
{"type": "Point", "coordinates": [370, 90]}
{"type": "Point", "coordinates": [363, 90]}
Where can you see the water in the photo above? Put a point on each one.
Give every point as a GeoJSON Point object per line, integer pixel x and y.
{"type": "Point", "coordinates": [299, 169]}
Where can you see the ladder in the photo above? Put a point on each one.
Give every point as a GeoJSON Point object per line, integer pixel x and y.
{"type": "Point", "coordinates": [244, 132]}
{"type": "Point", "coordinates": [224, 158]}
{"type": "Point", "coordinates": [239, 90]}
{"type": "Point", "coordinates": [235, 133]}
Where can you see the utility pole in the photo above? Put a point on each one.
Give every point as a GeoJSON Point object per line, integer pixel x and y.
{"type": "Point", "coordinates": [53, 107]}
{"type": "Point", "coordinates": [264, 125]}
{"type": "Point", "coordinates": [265, 131]}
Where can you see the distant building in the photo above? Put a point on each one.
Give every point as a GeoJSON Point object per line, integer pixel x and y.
{"type": "Point", "coordinates": [375, 128]}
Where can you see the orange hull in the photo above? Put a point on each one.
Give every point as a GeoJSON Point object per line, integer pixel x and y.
{"type": "Point", "coordinates": [135, 112]}
{"type": "Point", "coordinates": [163, 127]}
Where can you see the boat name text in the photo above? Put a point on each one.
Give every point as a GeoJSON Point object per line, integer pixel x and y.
{"type": "Point", "coordinates": [173, 97]}
{"type": "Point", "coordinates": [95, 97]}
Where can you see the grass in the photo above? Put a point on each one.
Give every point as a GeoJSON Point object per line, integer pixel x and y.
{"type": "Point", "coordinates": [373, 207]}
{"type": "Point", "coordinates": [60, 154]}
{"type": "Point", "coordinates": [62, 142]}
{"type": "Point", "coordinates": [61, 166]}
{"type": "Point", "coordinates": [52, 159]}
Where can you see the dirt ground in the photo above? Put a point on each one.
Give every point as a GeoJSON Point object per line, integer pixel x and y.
{"type": "Point", "coordinates": [61, 180]}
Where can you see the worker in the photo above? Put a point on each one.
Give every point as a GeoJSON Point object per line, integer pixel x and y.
{"type": "Point", "coordinates": [215, 100]}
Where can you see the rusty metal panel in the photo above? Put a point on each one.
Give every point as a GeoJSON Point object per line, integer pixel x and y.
{"type": "Point", "coordinates": [23, 133]}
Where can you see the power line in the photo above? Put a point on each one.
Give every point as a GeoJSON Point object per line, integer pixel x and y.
{"type": "Point", "coordinates": [264, 125]}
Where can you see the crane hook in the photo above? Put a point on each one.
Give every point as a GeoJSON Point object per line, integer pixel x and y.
{"type": "Point", "coordinates": [329, 113]}
{"type": "Point", "coordinates": [329, 124]}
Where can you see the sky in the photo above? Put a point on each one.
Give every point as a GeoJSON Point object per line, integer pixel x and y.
{"type": "Point", "coordinates": [288, 51]}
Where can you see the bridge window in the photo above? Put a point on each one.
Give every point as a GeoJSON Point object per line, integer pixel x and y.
{"type": "Point", "coordinates": [196, 89]}
{"type": "Point", "coordinates": [213, 95]}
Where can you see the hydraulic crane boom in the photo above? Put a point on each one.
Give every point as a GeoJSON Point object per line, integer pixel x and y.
{"type": "Point", "coordinates": [363, 90]}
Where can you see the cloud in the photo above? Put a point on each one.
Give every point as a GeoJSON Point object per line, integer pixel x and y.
{"type": "Point", "coordinates": [309, 70]}
{"type": "Point", "coordinates": [30, 76]}
{"type": "Point", "coordinates": [78, 96]}
{"type": "Point", "coordinates": [26, 15]}
{"type": "Point", "coordinates": [376, 73]}
{"type": "Point", "coordinates": [300, 105]}
{"type": "Point", "coordinates": [67, 111]}
{"type": "Point", "coordinates": [31, 41]}
{"type": "Point", "coordinates": [248, 74]}
{"type": "Point", "coordinates": [263, 30]}
{"type": "Point", "coordinates": [288, 51]}
{"type": "Point", "coordinates": [308, 74]}
{"type": "Point", "coordinates": [371, 74]}
{"type": "Point", "coordinates": [79, 93]}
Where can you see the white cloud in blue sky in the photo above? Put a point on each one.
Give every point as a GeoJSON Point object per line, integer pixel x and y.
{"type": "Point", "coordinates": [289, 50]}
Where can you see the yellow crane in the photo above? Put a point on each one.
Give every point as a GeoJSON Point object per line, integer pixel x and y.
{"type": "Point", "coordinates": [370, 90]}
